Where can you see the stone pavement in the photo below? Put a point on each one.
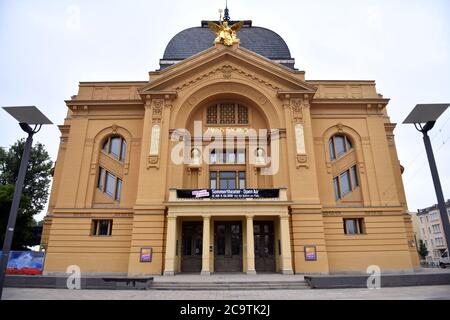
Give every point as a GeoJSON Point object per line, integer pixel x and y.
{"type": "Point", "coordinates": [403, 293]}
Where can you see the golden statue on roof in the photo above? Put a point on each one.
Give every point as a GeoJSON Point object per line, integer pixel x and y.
{"type": "Point", "coordinates": [225, 34]}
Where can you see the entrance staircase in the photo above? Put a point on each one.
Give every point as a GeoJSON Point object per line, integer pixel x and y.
{"type": "Point", "coordinates": [232, 284]}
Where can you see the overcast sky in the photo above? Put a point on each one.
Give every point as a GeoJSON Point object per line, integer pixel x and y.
{"type": "Point", "coordinates": [47, 47]}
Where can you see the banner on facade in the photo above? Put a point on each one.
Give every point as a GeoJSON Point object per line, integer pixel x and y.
{"type": "Point", "coordinates": [228, 193]}
{"type": "Point", "coordinates": [25, 262]}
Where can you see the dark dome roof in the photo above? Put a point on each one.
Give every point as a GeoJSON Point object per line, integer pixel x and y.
{"type": "Point", "coordinates": [257, 39]}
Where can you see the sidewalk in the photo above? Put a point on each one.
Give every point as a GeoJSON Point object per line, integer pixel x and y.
{"type": "Point", "coordinates": [403, 293]}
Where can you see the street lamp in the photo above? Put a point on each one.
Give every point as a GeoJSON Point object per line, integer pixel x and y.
{"type": "Point", "coordinates": [428, 114]}
{"type": "Point", "coordinates": [26, 116]}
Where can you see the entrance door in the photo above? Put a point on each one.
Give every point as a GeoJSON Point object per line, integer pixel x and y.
{"type": "Point", "coordinates": [228, 246]}
{"type": "Point", "coordinates": [264, 246]}
{"type": "Point", "coordinates": [191, 246]}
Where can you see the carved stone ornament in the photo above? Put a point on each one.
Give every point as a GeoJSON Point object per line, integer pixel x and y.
{"type": "Point", "coordinates": [93, 168]}
{"type": "Point", "coordinates": [296, 105]}
{"type": "Point", "coordinates": [226, 71]}
{"type": "Point", "coordinates": [328, 164]}
{"type": "Point", "coordinates": [168, 101]}
{"type": "Point", "coordinates": [157, 108]}
{"type": "Point", "coordinates": [153, 161]}
{"type": "Point", "coordinates": [302, 161]}
{"type": "Point", "coordinates": [361, 167]}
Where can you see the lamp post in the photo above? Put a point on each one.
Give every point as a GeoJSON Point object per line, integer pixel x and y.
{"type": "Point", "coordinates": [428, 114]}
{"type": "Point", "coordinates": [26, 116]}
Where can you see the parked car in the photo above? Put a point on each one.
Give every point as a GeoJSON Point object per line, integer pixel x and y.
{"type": "Point", "coordinates": [444, 260]}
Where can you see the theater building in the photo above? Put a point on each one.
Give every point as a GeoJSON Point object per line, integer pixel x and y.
{"type": "Point", "coordinates": [310, 182]}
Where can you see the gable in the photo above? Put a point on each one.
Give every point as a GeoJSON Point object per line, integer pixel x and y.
{"type": "Point", "coordinates": [227, 63]}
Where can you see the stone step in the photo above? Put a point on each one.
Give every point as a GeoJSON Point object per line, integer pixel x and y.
{"type": "Point", "coordinates": [275, 285]}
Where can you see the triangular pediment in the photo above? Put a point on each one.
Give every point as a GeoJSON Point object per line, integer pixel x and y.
{"type": "Point", "coordinates": [230, 62]}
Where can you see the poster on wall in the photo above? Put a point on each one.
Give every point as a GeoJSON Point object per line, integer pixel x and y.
{"type": "Point", "coordinates": [310, 253]}
{"type": "Point", "coordinates": [25, 262]}
{"type": "Point", "coordinates": [146, 255]}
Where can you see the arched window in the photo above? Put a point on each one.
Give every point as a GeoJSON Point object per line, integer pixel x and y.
{"type": "Point", "coordinates": [116, 146]}
{"type": "Point", "coordinates": [339, 145]}
{"type": "Point", "coordinates": [227, 113]}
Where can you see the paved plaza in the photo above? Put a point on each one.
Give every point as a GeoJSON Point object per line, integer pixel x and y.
{"type": "Point", "coordinates": [403, 293]}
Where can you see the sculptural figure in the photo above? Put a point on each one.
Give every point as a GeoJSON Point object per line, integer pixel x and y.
{"type": "Point", "coordinates": [224, 33]}
{"type": "Point", "coordinates": [260, 156]}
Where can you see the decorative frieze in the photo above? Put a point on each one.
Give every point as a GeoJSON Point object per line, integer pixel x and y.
{"type": "Point", "coordinates": [226, 71]}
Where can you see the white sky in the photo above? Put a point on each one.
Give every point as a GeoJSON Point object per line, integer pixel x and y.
{"type": "Point", "coordinates": [403, 45]}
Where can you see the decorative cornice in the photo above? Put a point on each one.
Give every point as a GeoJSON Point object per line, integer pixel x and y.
{"type": "Point", "coordinates": [380, 103]}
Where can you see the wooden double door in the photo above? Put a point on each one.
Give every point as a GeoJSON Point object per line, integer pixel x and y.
{"type": "Point", "coordinates": [228, 246]}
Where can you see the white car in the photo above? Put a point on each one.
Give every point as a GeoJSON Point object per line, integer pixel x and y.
{"type": "Point", "coordinates": [444, 260]}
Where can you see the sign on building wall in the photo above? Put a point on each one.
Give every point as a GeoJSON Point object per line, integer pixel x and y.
{"type": "Point", "coordinates": [146, 255]}
{"type": "Point", "coordinates": [228, 193]}
{"type": "Point", "coordinates": [25, 262]}
{"type": "Point", "coordinates": [310, 253]}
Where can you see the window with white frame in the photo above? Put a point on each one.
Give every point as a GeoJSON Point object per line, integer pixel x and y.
{"type": "Point", "coordinates": [436, 228]}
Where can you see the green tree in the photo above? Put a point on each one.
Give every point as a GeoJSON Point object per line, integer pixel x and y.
{"type": "Point", "coordinates": [34, 195]}
{"type": "Point", "coordinates": [423, 251]}
{"type": "Point", "coordinates": [23, 231]}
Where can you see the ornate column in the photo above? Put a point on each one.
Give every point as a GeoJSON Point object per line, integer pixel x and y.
{"type": "Point", "coordinates": [206, 243]}
{"type": "Point", "coordinates": [250, 246]}
{"type": "Point", "coordinates": [286, 258]}
{"type": "Point", "coordinates": [171, 236]}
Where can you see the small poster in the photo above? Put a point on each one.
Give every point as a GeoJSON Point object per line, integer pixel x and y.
{"type": "Point", "coordinates": [146, 255]}
{"type": "Point", "coordinates": [310, 253]}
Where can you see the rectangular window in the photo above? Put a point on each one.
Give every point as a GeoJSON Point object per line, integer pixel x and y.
{"type": "Point", "coordinates": [241, 179]}
{"type": "Point", "coordinates": [345, 183]}
{"type": "Point", "coordinates": [231, 157]}
{"type": "Point", "coordinates": [337, 192]}
{"type": "Point", "coordinates": [354, 226]}
{"type": "Point", "coordinates": [331, 147]}
{"type": "Point", "coordinates": [118, 189]}
{"type": "Point", "coordinates": [123, 150]}
{"type": "Point", "coordinates": [436, 228]}
{"type": "Point", "coordinates": [213, 180]}
{"type": "Point", "coordinates": [109, 184]}
{"type": "Point", "coordinates": [213, 156]}
{"type": "Point", "coordinates": [101, 227]}
{"type": "Point", "coordinates": [101, 178]}
{"type": "Point", "coordinates": [339, 144]}
{"type": "Point", "coordinates": [241, 156]}
{"type": "Point", "coordinates": [115, 147]}
{"type": "Point", "coordinates": [227, 180]}
{"type": "Point", "coordinates": [355, 181]}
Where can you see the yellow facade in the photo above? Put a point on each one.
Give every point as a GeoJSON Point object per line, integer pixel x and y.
{"type": "Point", "coordinates": [150, 214]}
